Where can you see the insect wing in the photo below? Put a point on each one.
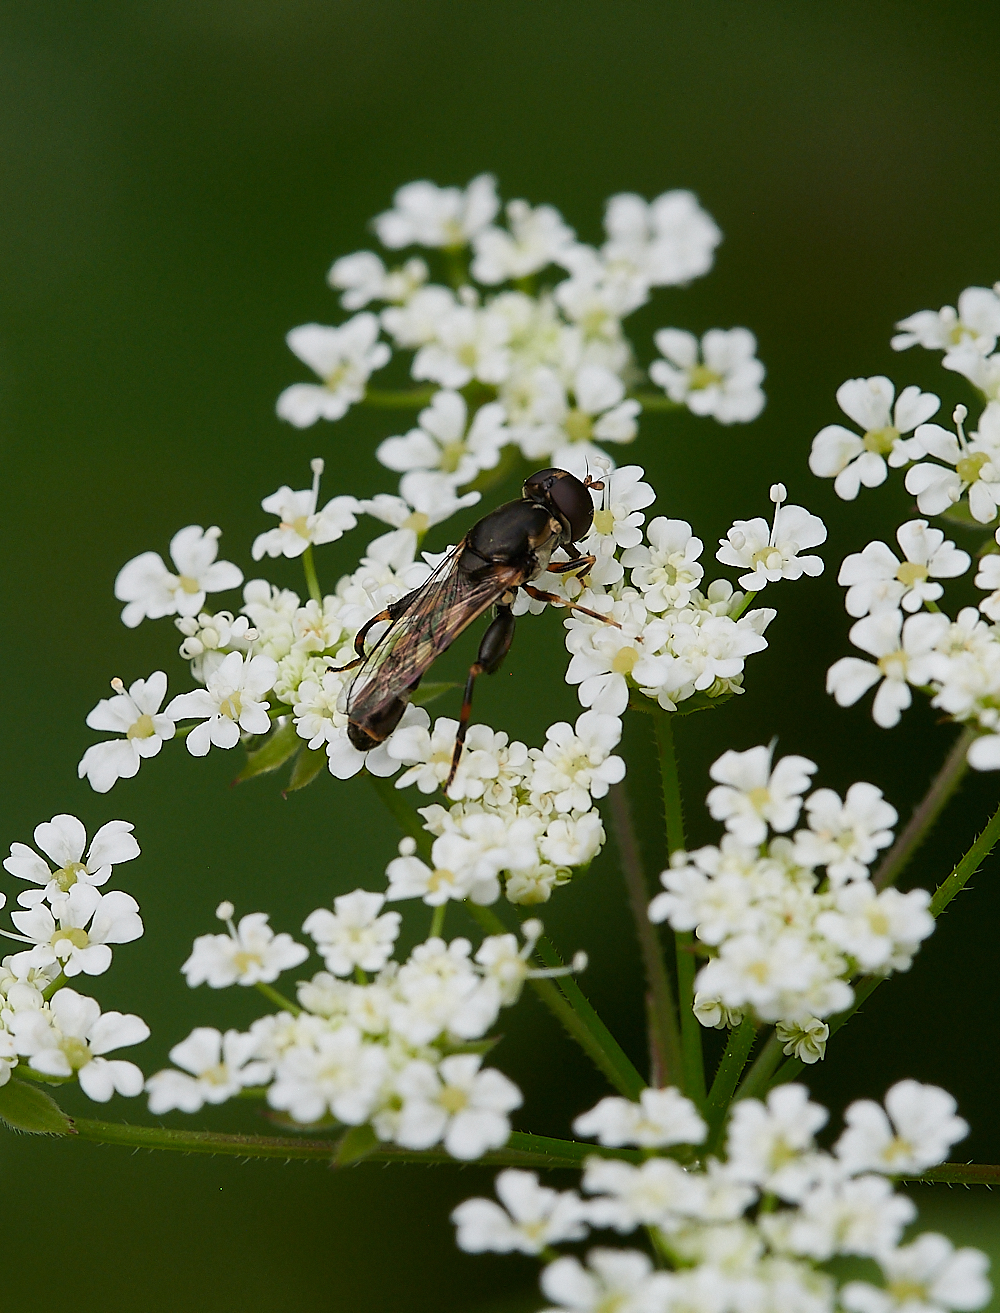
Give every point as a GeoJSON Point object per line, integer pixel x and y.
{"type": "Point", "coordinates": [446, 604]}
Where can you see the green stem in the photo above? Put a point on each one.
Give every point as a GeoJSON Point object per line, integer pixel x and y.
{"type": "Point", "coordinates": [730, 1070]}
{"type": "Point", "coordinates": [735, 615]}
{"type": "Point", "coordinates": [403, 399]}
{"type": "Point", "coordinates": [568, 1004]}
{"type": "Point", "coordinates": [522, 1150]}
{"type": "Point", "coordinates": [758, 1078]}
{"type": "Point", "coordinates": [56, 984]}
{"type": "Point", "coordinates": [273, 996]}
{"type": "Point", "coordinates": [455, 258]}
{"type": "Point", "coordinates": [959, 1174]}
{"type": "Point", "coordinates": [655, 401]}
{"type": "Point", "coordinates": [312, 582]}
{"type": "Point", "coordinates": [664, 1040]}
{"type": "Point", "coordinates": [933, 803]}
{"type": "Point", "coordinates": [437, 922]}
{"type": "Point", "coordinates": [693, 1083]}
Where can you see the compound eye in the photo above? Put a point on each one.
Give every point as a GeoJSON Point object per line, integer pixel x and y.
{"type": "Point", "coordinates": [573, 501]}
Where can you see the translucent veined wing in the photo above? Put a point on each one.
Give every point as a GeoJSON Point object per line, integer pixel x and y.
{"type": "Point", "coordinates": [433, 617]}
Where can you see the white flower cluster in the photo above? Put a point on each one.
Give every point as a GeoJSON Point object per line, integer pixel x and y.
{"type": "Point", "coordinates": [789, 920]}
{"type": "Point", "coordinates": [754, 1230]}
{"type": "Point", "coordinates": [546, 370]}
{"type": "Point", "coordinates": [69, 926]}
{"type": "Point", "coordinates": [395, 1045]}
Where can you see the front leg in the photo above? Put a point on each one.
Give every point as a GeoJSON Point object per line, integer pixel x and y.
{"type": "Point", "coordinates": [556, 600]}
{"type": "Point", "coordinates": [492, 650]}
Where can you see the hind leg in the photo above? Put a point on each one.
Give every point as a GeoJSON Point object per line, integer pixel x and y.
{"type": "Point", "coordinates": [492, 650]}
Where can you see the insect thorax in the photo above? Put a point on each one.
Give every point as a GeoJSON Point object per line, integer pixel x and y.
{"type": "Point", "coordinates": [514, 534]}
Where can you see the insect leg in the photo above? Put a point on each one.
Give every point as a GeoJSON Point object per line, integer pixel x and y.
{"type": "Point", "coordinates": [359, 642]}
{"type": "Point", "coordinates": [492, 650]}
{"type": "Point", "coordinates": [539, 596]}
{"type": "Point", "coordinates": [578, 565]}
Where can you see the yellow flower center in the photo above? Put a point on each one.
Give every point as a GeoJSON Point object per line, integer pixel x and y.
{"type": "Point", "coordinates": [418, 522]}
{"type": "Point", "coordinates": [624, 660]}
{"type": "Point", "coordinates": [67, 876]}
{"type": "Point", "coordinates": [76, 936]}
{"type": "Point", "coordinates": [906, 1289]}
{"type": "Point", "coordinates": [299, 525]}
{"type": "Point", "coordinates": [217, 1075]}
{"type": "Point", "coordinates": [243, 960]}
{"type": "Point", "coordinates": [604, 521]}
{"type": "Point", "coordinates": [893, 664]}
{"type": "Point", "coordinates": [969, 467]}
{"type": "Point", "coordinates": [880, 440]}
{"type": "Point", "coordinates": [188, 584]}
{"type": "Point", "coordinates": [910, 573]}
{"type": "Point", "coordinates": [77, 1053]}
{"type": "Point", "coordinates": [759, 797]}
{"type": "Point", "coordinates": [142, 729]}
{"type": "Point", "coordinates": [702, 377]}
{"type": "Point", "coordinates": [768, 557]}
{"type": "Point", "coordinates": [452, 1099]}
{"type": "Point", "coordinates": [578, 426]}
{"type": "Point", "coordinates": [232, 706]}
{"type": "Point", "coordinates": [334, 379]}
{"type": "Point", "coordinates": [451, 456]}
{"type": "Point", "coordinates": [878, 921]}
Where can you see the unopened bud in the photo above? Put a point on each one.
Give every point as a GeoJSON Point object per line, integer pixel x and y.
{"type": "Point", "coordinates": [317, 464]}
{"type": "Point", "coordinates": [532, 929]}
{"type": "Point", "coordinates": [407, 846]}
{"type": "Point", "coordinates": [580, 961]}
{"type": "Point", "coordinates": [225, 910]}
{"type": "Point", "coordinates": [117, 685]}
{"type": "Point", "coordinates": [779, 493]}
{"type": "Point", "coordinates": [959, 413]}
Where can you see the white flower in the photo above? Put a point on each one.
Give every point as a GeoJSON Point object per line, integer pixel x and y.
{"type": "Point", "coordinates": [137, 715]}
{"type": "Point", "coordinates": [667, 241]}
{"type": "Point", "coordinates": [301, 524]}
{"type": "Point", "coordinates": [845, 837]}
{"type": "Point", "coordinates": [850, 460]}
{"type": "Point", "coordinates": [432, 502]}
{"type": "Point", "coordinates": [457, 1103]}
{"type": "Point", "coordinates": [354, 934]}
{"type": "Point", "coordinates": [618, 1279]}
{"type": "Point", "coordinates": [469, 343]}
{"type": "Point", "coordinates": [576, 763]}
{"type": "Point", "coordinates": [860, 1216]}
{"type": "Point", "coordinates": [879, 930]}
{"type": "Point", "coordinates": [600, 413]}
{"type": "Point", "coordinates": [249, 953]}
{"type": "Point", "coordinates": [343, 357]}
{"type": "Point", "coordinates": [904, 655]}
{"type": "Point", "coordinates": [666, 572]}
{"type": "Point", "coordinates": [537, 237]}
{"type": "Point", "coordinates": [149, 589]}
{"type": "Point", "coordinates": [532, 1217]}
{"type": "Point", "coordinates": [78, 929]}
{"type": "Point", "coordinates": [650, 1195]}
{"type": "Point", "coordinates": [219, 1066]}
{"type": "Point", "coordinates": [63, 840]}
{"type": "Point", "coordinates": [618, 520]}
{"type": "Point", "coordinates": [976, 471]}
{"type": "Point", "coordinates": [426, 215]}
{"type": "Point", "coordinates": [922, 1129]}
{"type": "Point", "coordinates": [975, 324]}
{"type": "Point", "coordinates": [441, 442]}
{"type": "Point", "coordinates": [70, 1037]}
{"type": "Point", "coordinates": [750, 795]}
{"type": "Point", "coordinates": [771, 1145]}
{"type": "Point", "coordinates": [724, 383]}
{"type": "Point", "coordinates": [929, 1276]}
{"type": "Point", "coordinates": [438, 990]}
{"type": "Point", "coordinates": [982, 373]}
{"type": "Point", "coordinates": [337, 1072]}
{"type": "Point", "coordinates": [876, 581]}
{"type": "Point", "coordinates": [363, 278]}
{"type": "Point", "coordinates": [488, 764]}
{"type": "Point", "coordinates": [572, 840]}
{"type": "Point", "coordinates": [660, 1118]}
{"type": "Point", "coordinates": [231, 701]}
{"type": "Point", "coordinates": [805, 1040]}
{"type": "Point", "coordinates": [770, 553]}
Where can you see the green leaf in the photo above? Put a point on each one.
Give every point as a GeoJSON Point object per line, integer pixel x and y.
{"type": "Point", "coordinates": [358, 1143]}
{"type": "Point", "coordinates": [281, 745]}
{"type": "Point", "coordinates": [308, 765]}
{"type": "Point", "coordinates": [428, 692]}
{"type": "Point", "coordinates": [27, 1108]}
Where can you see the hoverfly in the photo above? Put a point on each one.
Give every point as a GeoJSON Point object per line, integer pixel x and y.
{"type": "Point", "coordinates": [503, 552]}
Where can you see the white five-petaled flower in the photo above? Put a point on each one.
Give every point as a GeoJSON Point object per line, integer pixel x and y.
{"type": "Point", "coordinates": [424, 214]}
{"type": "Point", "coordinates": [149, 589]}
{"type": "Point", "coordinates": [63, 840]}
{"type": "Point", "coordinates": [770, 1144]}
{"type": "Point", "coordinates": [876, 581]}
{"type": "Point", "coordinates": [301, 524]}
{"type": "Point", "coordinates": [770, 553]}
{"type": "Point", "coordinates": [249, 953]}
{"type": "Point", "coordinates": [70, 1036]}
{"type": "Point", "coordinates": [976, 468]}
{"type": "Point", "coordinates": [881, 931]}
{"type": "Point", "coordinates": [137, 715]}
{"type": "Point", "coordinates": [929, 1275]}
{"type": "Point", "coordinates": [750, 796]}
{"type": "Point", "coordinates": [660, 1118]}
{"type": "Point", "coordinates": [618, 1279]}
{"type": "Point", "coordinates": [618, 518]}
{"type": "Point", "coordinates": [576, 764]}
{"type": "Point", "coordinates": [219, 1066]}
{"type": "Point", "coordinates": [845, 836]}
{"type": "Point", "coordinates": [429, 502]}
{"type": "Point", "coordinates": [663, 242]}
{"type": "Point", "coordinates": [600, 413]}
{"type": "Point", "coordinates": [77, 930]}
{"type": "Point", "coordinates": [343, 357]}
{"type": "Point", "coordinates": [532, 1217]}
{"type": "Point", "coordinates": [904, 655]}
{"type": "Point", "coordinates": [354, 934]}
{"type": "Point", "coordinates": [915, 1131]}
{"type": "Point", "coordinates": [975, 324]}
{"type": "Point", "coordinates": [440, 441]}
{"type": "Point", "coordinates": [667, 571]}
{"type": "Point", "coordinates": [231, 701]}
{"type": "Point", "coordinates": [724, 382]}
{"type": "Point", "coordinates": [537, 237]}
{"type": "Point", "coordinates": [455, 1103]}
{"type": "Point", "coordinates": [362, 277]}
{"type": "Point", "coordinates": [852, 459]}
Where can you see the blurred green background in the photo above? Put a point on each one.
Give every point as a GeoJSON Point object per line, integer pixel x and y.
{"type": "Point", "coordinates": [179, 176]}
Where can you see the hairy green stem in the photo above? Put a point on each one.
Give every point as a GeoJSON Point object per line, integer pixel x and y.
{"type": "Point", "coordinates": [693, 1065]}
{"type": "Point", "coordinates": [759, 1078]}
{"type": "Point", "coordinates": [930, 807]}
{"type": "Point", "coordinates": [726, 1078]}
{"type": "Point", "coordinates": [664, 1040]}
{"type": "Point", "coordinates": [401, 399]}
{"type": "Point", "coordinates": [312, 581]}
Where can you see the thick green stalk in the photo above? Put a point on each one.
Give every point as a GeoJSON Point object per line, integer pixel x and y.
{"type": "Point", "coordinates": [758, 1081]}
{"type": "Point", "coordinates": [693, 1065]}
{"type": "Point", "coordinates": [933, 803]}
{"type": "Point", "coordinates": [726, 1078]}
{"type": "Point", "coordinates": [664, 1040]}
{"type": "Point", "coordinates": [312, 580]}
